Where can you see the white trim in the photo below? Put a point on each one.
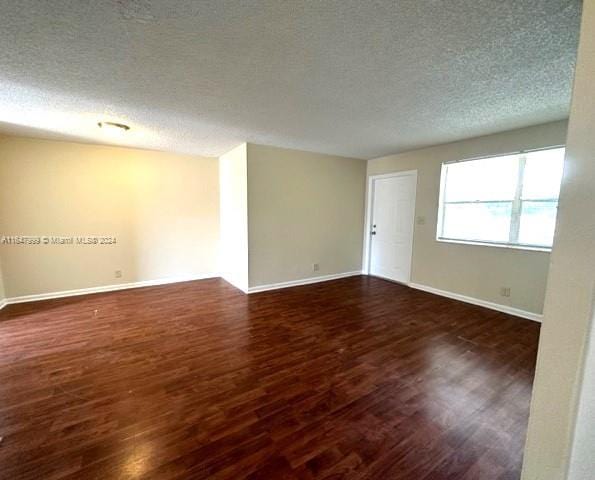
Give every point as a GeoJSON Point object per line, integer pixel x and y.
{"type": "Point", "coordinates": [515, 152]}
{"type": "Point", "coordinates": [369, 205]}
{"type": "Point", "coordinates": [536, 317]}
{"type": "Point", "coordinates": [392, 280]}
{"type": "Point", "coordinates": [235, 284]}
{"type": "Point", "coordinates": [104, 288]}
{"type": "Point", "coordinates": [3, 303]}
{"type": "Point", "coordinates": [303, 281]}
{"type": "Point", "coordinates": [512, 246]}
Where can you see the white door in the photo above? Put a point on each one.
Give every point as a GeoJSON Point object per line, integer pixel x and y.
{"type": "Point", "coordinates": [391, 232]}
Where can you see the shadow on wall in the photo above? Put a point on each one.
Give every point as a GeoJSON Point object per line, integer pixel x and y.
{"type": "Point", "coordinates": [162, 209]}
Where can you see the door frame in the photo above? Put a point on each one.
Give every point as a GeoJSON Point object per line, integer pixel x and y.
{"type": "Point", "coordinates": [368, 219]}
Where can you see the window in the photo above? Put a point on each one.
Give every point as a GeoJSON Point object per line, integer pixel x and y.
{"type": "Point", "coordinates": [509, 200]}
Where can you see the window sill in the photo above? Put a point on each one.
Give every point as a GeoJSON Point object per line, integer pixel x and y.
{"type": "Point", "coordinates": [497, 245]}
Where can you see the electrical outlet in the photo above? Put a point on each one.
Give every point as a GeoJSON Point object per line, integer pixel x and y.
{"type": "Point", "coordinates": [118, 274]}
{"type": "Point", "coordinates": [315, 267]}
{"type": "Point", "coordinates": [505, 291]}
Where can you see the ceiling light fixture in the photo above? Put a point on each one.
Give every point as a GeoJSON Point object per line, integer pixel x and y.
{"type": "Point", "coordinates": [113, 126]}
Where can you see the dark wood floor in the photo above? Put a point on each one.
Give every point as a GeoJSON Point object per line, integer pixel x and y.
{"type": "Point", "coordinates": [357, 378]}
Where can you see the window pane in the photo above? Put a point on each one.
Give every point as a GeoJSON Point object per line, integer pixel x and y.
{"type": "Point", "coordinates": [477, 221]}
{"type": "Point", "coordinates": [538, 221]}
{"type": "Point", "coordinates": [485, 179]}
{"type": "Point", "coordinates": [543, 174]}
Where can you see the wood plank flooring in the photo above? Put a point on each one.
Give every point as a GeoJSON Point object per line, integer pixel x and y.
{"type": "Point", "coordinates": [357, 378]}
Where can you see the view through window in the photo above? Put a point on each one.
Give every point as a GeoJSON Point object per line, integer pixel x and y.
{"type": "Point", "coordinates": [505, 200]}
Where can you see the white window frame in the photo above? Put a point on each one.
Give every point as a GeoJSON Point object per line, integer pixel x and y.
{"type": "Point", "coordinates": [517, 204]}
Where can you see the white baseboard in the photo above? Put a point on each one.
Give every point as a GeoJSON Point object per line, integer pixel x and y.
{"type": "Point", "coordinates": [234, 283]}
{"type": "Point", "coordinates": [262, 288]}
{"type": "Point", "coordinates": [303, 281]}
{"type": "Point", "coordinates": [103, 288]}
{"type": "Point", "coordinates": [536, 317]}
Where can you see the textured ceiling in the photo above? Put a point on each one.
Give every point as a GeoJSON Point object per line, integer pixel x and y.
{"type": "Point", "coordinates": [348, 77]}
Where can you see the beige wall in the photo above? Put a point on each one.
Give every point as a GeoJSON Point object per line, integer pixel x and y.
{"type": "Point", "coordinates": [303, 208]}
{"type": "Point", "coordinates": [162, 208]}
{"type": "Point", "coordinates": [233, 178]}
{"type": "Point", "coordinates": [569, 304]}
{"type": "Point", "coordinates": [582, 460]}
{"type": "Point", "coordinates": [471, 270]}
{"type": "Point", "coordinates": [2, 293]}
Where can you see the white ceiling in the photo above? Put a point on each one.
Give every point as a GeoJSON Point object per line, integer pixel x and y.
{"type": "Point", "coordinates": [348, 77]}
